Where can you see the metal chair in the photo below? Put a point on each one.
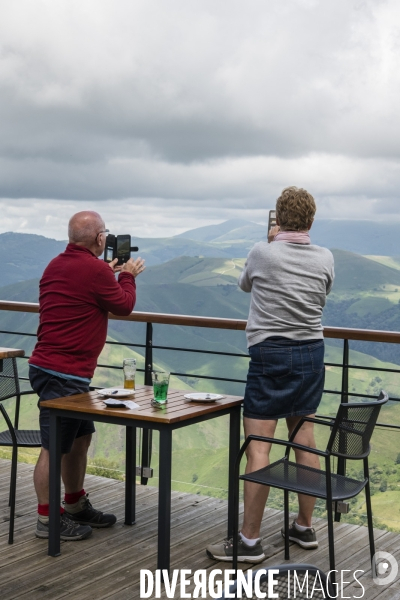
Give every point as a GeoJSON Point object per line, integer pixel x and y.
{"type": "Point", "coordinates": [350, 436]}
{"type": "Point", "coordinates": [291, 581]}
{"type": "Point", "coordinates": [14, 437]}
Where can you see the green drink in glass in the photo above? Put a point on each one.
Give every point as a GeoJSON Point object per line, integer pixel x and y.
{"type": "Point", "coordinates": [160, 381]}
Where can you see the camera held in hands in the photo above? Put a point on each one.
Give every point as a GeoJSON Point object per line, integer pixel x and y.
{"type": "Point", "coordinates": [118, 246]}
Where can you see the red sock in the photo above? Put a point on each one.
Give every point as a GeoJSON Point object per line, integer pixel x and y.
{"type": "Point", "coordinates": [43, 510]}
{"type": "Point", "coordinates": [74, 497]}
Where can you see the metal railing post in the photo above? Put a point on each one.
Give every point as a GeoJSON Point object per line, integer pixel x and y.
{"type": "Point", "coordinates": [147, 438]}
{"type": "Point", "coordinates": [345, 372]}
{"type": "Point", "coordinates": [148, 367]}
{"type": "Point", "coordinates": [341, 465]}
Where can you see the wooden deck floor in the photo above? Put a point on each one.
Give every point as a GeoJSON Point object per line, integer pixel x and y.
{"type": "Point", "coordinates": [108, 564]}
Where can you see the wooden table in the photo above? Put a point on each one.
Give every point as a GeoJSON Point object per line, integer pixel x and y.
{"type": "Point", "coordinates": [9, 353]}
{"type": "Point", "coordinates": [175, 415]}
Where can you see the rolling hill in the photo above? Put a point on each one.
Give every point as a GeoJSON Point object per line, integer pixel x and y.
{"type": "Point", "coordinates": [366, 295]}
{"type": "Point", "coordinates": [232, 231]}
{"type": "Point", "coordinates": [355, 274]}
{"type": "Point", "coordinates": [25, 256]}
{"type": "Point", "coordinates": [360, 237]}
{"type": "Point", "coordinates": [199, 271]}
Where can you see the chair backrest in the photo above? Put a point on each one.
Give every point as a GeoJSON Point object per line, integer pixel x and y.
{"type": "Point", "coordinates": [292, 581]}
{"type": "Point", "coordinates": [353, 428]}
{"type": "Point", "coordinates": [9, 382]}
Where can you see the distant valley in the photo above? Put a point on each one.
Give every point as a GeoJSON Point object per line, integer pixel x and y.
{"type": "Point", "coordinates": [24, 256]}
{"type": "Point", "coordinates": [196, 274]}
{"type": "Point", "coordinates": [366, 293]}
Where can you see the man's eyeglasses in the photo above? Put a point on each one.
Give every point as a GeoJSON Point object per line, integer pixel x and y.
{"type": "Point", "coordinates": [102, 231]}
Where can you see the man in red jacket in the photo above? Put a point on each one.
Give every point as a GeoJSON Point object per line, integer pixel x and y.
{"type": "Point", "coordinates": [77, 291]}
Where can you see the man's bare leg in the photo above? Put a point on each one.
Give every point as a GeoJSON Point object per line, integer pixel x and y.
{"type": "Point", "coordinates": [69, 530]}
{"type": "Point", "coordinates": [73, 464]}
{"type": "Point", "coordinates": [41, 477]}
{"type": "Point", "coordinates": [256, 495]}
{"type": "Point", "coordinates": [73, 469]}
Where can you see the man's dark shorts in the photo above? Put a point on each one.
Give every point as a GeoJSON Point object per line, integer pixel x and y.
{"type": "Point", "coordinates": [49, 386]}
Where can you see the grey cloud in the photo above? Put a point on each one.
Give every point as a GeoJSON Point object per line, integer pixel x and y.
{"type": "Point", "coordinates": [273, 80]}
{"type": "Point", "coordinates": [243, 180]}
{"type": "Point", "coordinates": [208, 104]}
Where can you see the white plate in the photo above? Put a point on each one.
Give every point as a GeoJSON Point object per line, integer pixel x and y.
{"type": "Point", "coordinates": [115, 392]}
{"type": "Point", "coordinates": [202, 397]}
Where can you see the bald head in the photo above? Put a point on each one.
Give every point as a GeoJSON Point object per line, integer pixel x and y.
{"type": "Point", "coordinates": [83, 228]}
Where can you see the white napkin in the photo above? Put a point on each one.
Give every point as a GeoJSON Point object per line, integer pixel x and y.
{"type": "Point", "coordinates": [130, 404]}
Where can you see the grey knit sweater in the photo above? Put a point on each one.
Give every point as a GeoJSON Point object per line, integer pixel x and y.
{"type": "Point", "coordinates": [288, 284]}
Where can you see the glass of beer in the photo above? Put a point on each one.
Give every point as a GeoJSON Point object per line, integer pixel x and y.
{"type": "Point", "coordinates": [129, 367]}
{"type": "Point", "coordinates": [160, 381]}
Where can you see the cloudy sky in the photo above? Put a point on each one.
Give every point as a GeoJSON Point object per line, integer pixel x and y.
{"type": "Point", "coordinates": [167, 115]}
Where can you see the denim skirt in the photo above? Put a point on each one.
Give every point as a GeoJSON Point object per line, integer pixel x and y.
{"type": "Point", "coordinates": [285, 378]}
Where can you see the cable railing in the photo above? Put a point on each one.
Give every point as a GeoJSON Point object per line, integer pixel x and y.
{"type": "Point", "coordinates": [151, 319]}
{"type": "Point", "coordinates": [148, 347]}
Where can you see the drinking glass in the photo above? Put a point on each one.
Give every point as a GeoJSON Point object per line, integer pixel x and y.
{"type": "Point", "coordinates": [129, 367]}
{"type": "Point", "coordinates": [160, 381]}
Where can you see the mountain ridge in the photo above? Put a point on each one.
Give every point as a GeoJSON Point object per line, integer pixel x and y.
{"type": "Point", "coordinates": [25, 256]}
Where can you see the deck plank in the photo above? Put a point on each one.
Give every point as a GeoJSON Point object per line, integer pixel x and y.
{"type": "Point", "coordinates": [107, 565]}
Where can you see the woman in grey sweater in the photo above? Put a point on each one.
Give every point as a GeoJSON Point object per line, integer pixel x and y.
{"type": "Point", "coordinates": [289, 279]}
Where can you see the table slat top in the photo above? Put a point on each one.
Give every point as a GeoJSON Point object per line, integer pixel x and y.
{"type": "Point", "coordinates": [177, 408]}
{"type": "Point", "coordinates": [11, 353]}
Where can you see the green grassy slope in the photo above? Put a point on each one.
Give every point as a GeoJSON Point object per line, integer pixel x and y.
{"type": "Point", "coordinates": [203, 470]}
{"type": "Point", "coordinates": [355, 273]}
{"type": "Point", "coordinates": [200, 452]}
{"type": "Point", "coordinates": [195, 270]}
{"type": "Point", "coordinates": [389, 261]}
{"type": "Point", "coordinates": [365, 294]}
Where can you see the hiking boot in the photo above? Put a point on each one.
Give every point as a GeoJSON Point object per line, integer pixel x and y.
{"type": "Point", "coordinates": [69, 531]}
{"type": "Point", "coordinates": [83, 513]}
{"type": "Point", "coordinates": [224, 551]}
{"type": "Point", "coordinates": [306, 539]}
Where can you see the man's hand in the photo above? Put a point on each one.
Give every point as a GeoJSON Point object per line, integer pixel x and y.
{"type": "Point", "coordinates": [114, 267]}
{"type": "Point", "coordinates": [272, 233]}
{"type": "Point", "coordinates": [134, 266]}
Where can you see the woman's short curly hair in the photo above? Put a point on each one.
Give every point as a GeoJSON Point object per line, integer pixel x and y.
{"type": "Point", "coordinates": [295, 209]}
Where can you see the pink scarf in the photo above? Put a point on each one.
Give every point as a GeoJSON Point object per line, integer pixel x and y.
{"type": "Point", "coordinates": [293, 237]}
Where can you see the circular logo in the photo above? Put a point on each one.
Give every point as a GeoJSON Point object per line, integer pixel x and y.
{"type": "Point", "coordinates": [384, 567]}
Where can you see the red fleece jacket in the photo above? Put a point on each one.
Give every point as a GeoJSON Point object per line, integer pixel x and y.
{"type": "Point", "coordinates": [77, 290]}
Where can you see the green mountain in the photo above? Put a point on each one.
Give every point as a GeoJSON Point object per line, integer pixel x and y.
{"type": "Point", "coordinates": [26, 255]}
{"type": "Point", "coordinates": [160, 250]}
{"type": "Point", "coordinates": [356, 274]}
{"type": "Point", "coordinates": [358, 236]}
{"type": "Point", "coordinates": [366, 295]}
{"type": "Point", "coordinates": [207, 286]}
{"type": "Point", "coordinates": [233, 230]}
{"type": "Point", "coordinates": [199, 271]}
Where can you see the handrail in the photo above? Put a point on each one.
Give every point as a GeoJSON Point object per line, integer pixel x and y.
{"type": "Point", "coordinates": [343, 333]}
{"type": "Point", "coordinates": [31, 307]}
{"type": "Point", "coordinates": [150, 319]}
